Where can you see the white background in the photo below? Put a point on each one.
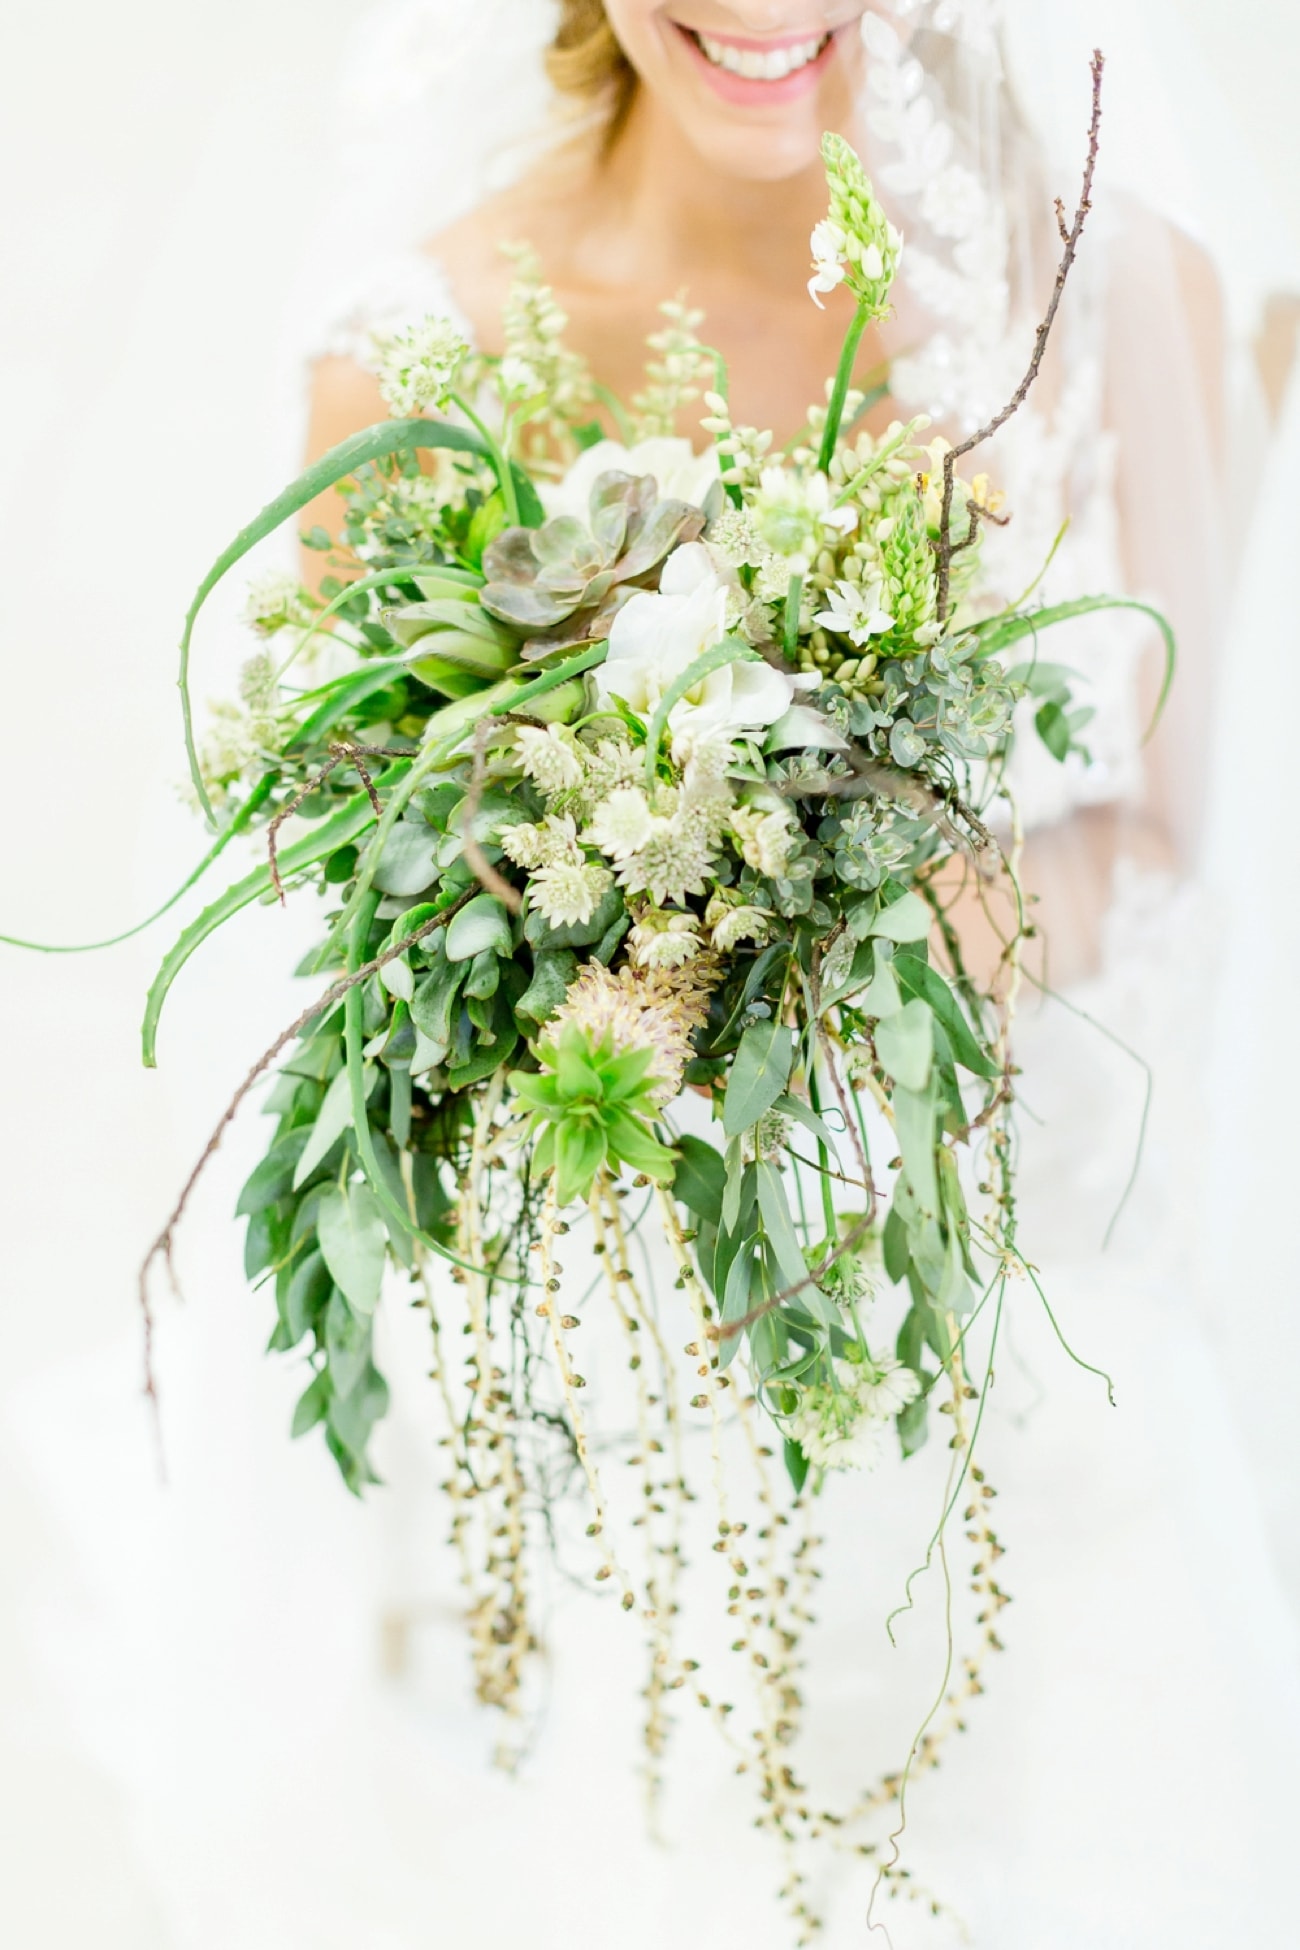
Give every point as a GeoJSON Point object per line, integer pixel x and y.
{"type": "Point", "coordinates": [161, 166]}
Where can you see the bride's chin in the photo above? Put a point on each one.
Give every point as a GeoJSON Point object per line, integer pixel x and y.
{"type": "Point", "coordinates": [767, 145]}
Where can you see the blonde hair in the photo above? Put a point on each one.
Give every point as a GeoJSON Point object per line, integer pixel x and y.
{"type": "Point", "coordinates": [586, 62]}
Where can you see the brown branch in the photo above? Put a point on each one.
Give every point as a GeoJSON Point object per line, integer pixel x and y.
{"type": "Point", "coordinates": [163, 1245]}
{"type": "Point", "coordinates": [945, 548]}
{"type": "Point", "coordinates": [338, 754]}
{"type": "Point", "coordinates": [475, 857]}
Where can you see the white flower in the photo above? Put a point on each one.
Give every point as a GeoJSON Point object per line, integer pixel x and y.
{"type": "Point", "coordinates": [548, 756]}
{"type": "Point", "coordinates": [885, 1388]}
{"type": "Point", "coordinates": [765, 839]}
{"type": "Point", "coordinates": [274, 600]}
{"type": "Point", "coordinates": [554, 839]}
{"type": "Point", "coordinates": [843, 1426]}
{"type": "Point", "coordinates": [567, 894]}
{"type": "Point", "coordinates": [621, 823]}
{"type": "Point", "coordinates": [417, 367]}
{"type": "Point", "coordinates": [827, 246]}
{"type": "Point", "coordinates": [680, 473]}
{"type": "Point", "coordinates": [791, 511]}
{"type": "Point", "coordinates": [856, 610]}
{"type": "Point", "coordinates": [654, 639]}
{"type": "Point", "coordinates": [672, 863]}
{"type": "Point", "coordinates": [834, 1431]}
{"type": "Point", "coordinates": [729, 926]}
{"type": "Point", "coordinates": [518, 379]}
{"type": "Point", "coordinates": [664, 939]}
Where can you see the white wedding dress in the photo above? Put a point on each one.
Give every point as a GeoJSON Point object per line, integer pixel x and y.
{"type": "Point", "coordinates": [278, 1675]}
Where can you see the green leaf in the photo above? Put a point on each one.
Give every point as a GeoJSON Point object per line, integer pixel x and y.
{"type": "Point", "coordinates": [579, 1154]}
{"type": "Point", "coordinates": [794, 1107]}
{"type": "Point", "coordinates": [917, 978]}
{"type": "Point", "coordinates": [778, 1227]}
{"type": "Point", "coordinates": [406, 863]}
{"type": "Point", "coordinates": [796, 1463]}
{"type": "Point", "coordinates": [344, 825]}
{"type": "Point", "coordinates": [273, 1179]}
{"type": "Point", "coordinates": [905, 1044]}
{"type": "Point", "coordinates": [374, 443]}
{"type": "Point", "coordinates": [760, 1071]}
{"type": "Point", "coordinates": [332, 1119]}
{"type": "Point", "coordinates": [313, 1405]}
{"type": "Point", "coordinates": [484, 924]}
{"type": "Point", "coordinates": [737, 1172]}
{"type": "Point", "coordinates": [914, 1120]}
{"type": "Point", "coordinates": [882, 997]}
{"type": "Point", "coordinates": [701, 1177]}
{"type": "Point", "coordinates": [894, 1246]}
{"type": "Point", "coordinates": [730, 651]}
{"type": "Point", "coordinates": [1053, 727]}
{"type": "Point", "coordinates": [906, 919]}
{"type": "Point", "coordinates": [483, 1060]}
{"type": "Point", "coordinates": [629, 1140]}
{"type": "Point", "coordinates": [309, 1290]}
{"type": "Point", "coordinates": [353, 1242]}
{"type": "Point", "coordinates": [434, 1000]}
{"type": "Point", "coordinates": [736, 1299]}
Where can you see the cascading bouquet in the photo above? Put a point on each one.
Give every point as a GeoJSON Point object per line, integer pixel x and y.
{"type": "Point", "coordinates": [636, 782]}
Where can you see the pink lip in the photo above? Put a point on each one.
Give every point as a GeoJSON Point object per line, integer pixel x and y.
{"type": "Point", "coordinates": [743, 93]}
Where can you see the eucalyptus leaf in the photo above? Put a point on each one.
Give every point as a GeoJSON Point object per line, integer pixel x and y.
{"type": "Point", "coordinates": [332, 1119]}
{"type": "Point", "coordinates": [759, 1074]}
{"type": "Point", "coordinates": [353, 1243]}
{"type": "Point", "coordinates": [914, 1119]}
{"type": "Point", "coordinates": [700, 1181]}
{"type": "Point", "coordinates": [906, 919]}
{"type": "Point", "coordinates": [905, 1044]}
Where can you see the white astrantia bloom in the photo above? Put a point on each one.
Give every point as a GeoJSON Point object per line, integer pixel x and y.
{"type": "Point", "coordinates": [553, 839]}
{"type": "Point", "coordinates": [665, 939]}
{"type": "Point", "coordinates": [885, 1387]}
{"type": "Point", "coordinates": [548, 755]}
{"type": "Point", "coordinates": [654, 639]}
{"type": "Point", "coordinates": [621, 823]}
{"type": "Point", "coordinates": [827, 245]}
{"type": "Point", "coordinates": [679, 473]}
{"type": "Point", "coordinates": [568, 893]}
{"type": "Point", "coordinates": [765, 839]}
{"type": "Point", "coordinates": [842, 1426]}
{"type": "Point", "coordinates": [417, 367]}
{"type": "Point", "coordinates": [274, 600]}
{"type": "Point", "coordinates": [729, 925]}
{"type": "Point", "coordinates": [857, 610]}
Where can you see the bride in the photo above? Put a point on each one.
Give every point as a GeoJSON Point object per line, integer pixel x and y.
{"type": "Point", "coordinates": [1125, 1782]}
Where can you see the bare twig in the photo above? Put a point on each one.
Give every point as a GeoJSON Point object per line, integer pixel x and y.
{"type": "Point", "coordinates": [475, 857]}
{"type": "Point", "coordinates": [945, 548]}
{"type": "Point", "coordinates": [339, 754]}
{"type": "Point", "coordinates": [162, 1246]}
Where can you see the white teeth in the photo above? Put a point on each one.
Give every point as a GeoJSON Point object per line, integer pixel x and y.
{"type": "Point", "coordinates": [752, 65]}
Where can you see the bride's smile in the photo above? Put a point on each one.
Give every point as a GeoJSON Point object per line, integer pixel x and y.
{"type": "Point", "coordinates": [752, 85]}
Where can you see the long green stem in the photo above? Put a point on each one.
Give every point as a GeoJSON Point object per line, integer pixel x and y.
{"type": "Point", "coordinates": [256, 799]}
{"type": "Point", "coordinates": [840, 390]}
{"type": "Point", "coordinates": [500, 460]}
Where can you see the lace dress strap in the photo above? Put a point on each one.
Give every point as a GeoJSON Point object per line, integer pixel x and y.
{"type": "Point", "coordinates": [382, 297]}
